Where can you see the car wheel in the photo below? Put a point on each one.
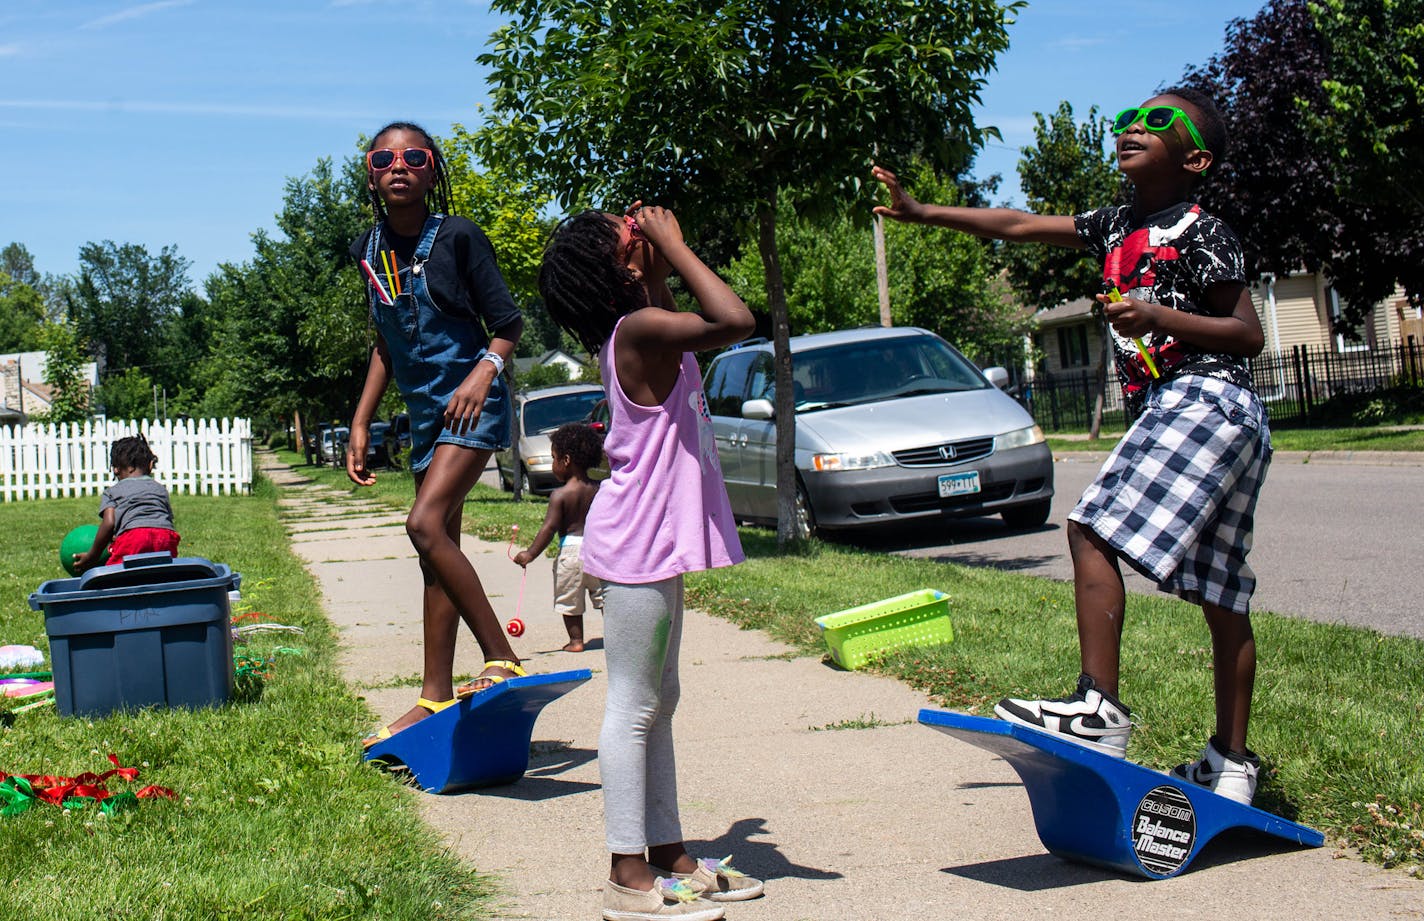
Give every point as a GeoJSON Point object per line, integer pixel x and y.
{"type": "Point", "coordinates": [803, 521]}
{"type": "Point", "coordinates": [524, 487]}
{"type": "Point", "coordinates": [1033, 515]}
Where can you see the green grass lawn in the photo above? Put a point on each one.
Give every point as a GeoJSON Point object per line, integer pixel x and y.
{"type": "Point", "coordinates": [1353, 439]}
{"type": "Point", "coordinates": [1339, 711]}
{"type": "Point", "coordinates": [276, 816]}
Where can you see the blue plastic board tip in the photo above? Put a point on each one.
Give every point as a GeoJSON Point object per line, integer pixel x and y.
{"type": "Point", "coordinates": [1101, 810]}
{"type": "Point", "coordinates": [480, 742]}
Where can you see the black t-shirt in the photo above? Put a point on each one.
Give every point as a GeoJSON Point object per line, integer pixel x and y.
{"type": "Point", "coordinates": [1171, 258]}
{"type": "Point", "coordinates": [461, 274]}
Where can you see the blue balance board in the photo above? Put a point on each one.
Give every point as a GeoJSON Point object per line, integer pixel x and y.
{"type": "Point", "coordinates": [1093, 808]}
{"type": "Point", "coordinates": [482, 741]}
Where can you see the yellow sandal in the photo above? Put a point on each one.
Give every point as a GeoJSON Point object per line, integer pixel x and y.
{"type": "Point", "coordinates": [434, 706]}
{"type": "Point", "coordinates": [469, 690]}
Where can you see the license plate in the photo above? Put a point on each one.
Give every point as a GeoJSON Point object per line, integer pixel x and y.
{"type": "Point", "coordinates": [958, 484]}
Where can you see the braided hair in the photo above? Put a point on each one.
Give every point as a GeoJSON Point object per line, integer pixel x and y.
{"type": "Point", "coordinates": [585, 286]}
{"type": "Point", "coordinates": [132, 452]}
{"type": "Point", "coordinates": [437, 197]}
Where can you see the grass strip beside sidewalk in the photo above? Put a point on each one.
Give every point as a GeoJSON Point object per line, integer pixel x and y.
{"type": "Point", "coordinates": [276, 817]}
{"type": "Point", "coordinates": [1338, 716]}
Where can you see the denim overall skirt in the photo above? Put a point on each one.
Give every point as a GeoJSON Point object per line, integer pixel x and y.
{"type": "Point", "coordinates": [432, 352]}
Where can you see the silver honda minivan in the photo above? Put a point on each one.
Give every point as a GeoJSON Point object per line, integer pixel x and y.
{"type": "Point", "coordinates": [891, 425]}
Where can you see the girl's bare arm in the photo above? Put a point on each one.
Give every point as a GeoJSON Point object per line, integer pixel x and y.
{"type": "Point", "coordinates": [378, 376]}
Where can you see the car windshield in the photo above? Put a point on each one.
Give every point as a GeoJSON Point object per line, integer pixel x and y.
{"type": "Point", "coordinates": [548, 413]}
{"type": "Point", "coordinates": [879, 369]}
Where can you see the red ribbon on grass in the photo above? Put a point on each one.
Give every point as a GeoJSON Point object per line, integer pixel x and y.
{"type": "Point", "coordinates": [18, 792]}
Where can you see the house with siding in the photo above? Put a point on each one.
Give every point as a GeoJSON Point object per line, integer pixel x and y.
{"type": "Point", "coordinates": [1294, 310]}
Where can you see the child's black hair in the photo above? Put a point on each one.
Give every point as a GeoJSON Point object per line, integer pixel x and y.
{"type": "Point", "coordinates": [132, 452]}
{"type": "Point", "coordinates": [579, 443]}
{"type": "Point", "coordinates": [437, 197]}
{"type": "Point", "coordinates": [1211, 126]}
{"type": "Point", "coordinates": [585, 286]}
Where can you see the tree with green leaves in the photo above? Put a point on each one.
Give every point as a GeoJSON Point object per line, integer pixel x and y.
{"type": "Point", "coordinates": [1297, 201]}
{"type": "Point", "coordinates": [938, 282]}
{"type": "Point", "coordinates": [127, 394]}
{"type": "Point", "coordinates": [123, 300]}
{"type": "Point", "coordinates": [1373, 120]}
{"type": "Point", "coordinates": [65, 355]}
{"type": "Point", "coordinates": [714, 109]}
{"type": "Point", "coordinates": [1068, 169]}
{"type": "Point", "coordinates": [22, 315]}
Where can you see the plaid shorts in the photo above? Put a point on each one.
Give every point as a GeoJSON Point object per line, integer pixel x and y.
{"type": "Point", "coordinates": [1177, 498]}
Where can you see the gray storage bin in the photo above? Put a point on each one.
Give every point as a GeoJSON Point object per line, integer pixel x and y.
{"type": "Point", "coordinates": [152, 630]}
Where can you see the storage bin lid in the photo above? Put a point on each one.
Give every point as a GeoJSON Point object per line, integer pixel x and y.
{"type": "Point", "coordinates": [149, 569]}
{"type": "Point", "coordinates": [141, 573]}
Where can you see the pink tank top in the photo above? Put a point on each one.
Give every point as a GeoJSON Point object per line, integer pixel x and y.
{"type": "Point", "coordinates": [663, 510]}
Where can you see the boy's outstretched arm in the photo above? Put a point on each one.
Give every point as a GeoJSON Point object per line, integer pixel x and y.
{"type": "Point", "coordinates": [993, 223]}
{"type": "Point", "coordinates": [553, 522]}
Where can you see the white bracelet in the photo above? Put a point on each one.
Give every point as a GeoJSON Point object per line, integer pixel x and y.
{"type": "Point", "coordinates": [494, 359]}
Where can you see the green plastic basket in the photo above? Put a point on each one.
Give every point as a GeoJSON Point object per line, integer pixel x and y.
{"type": "Point", "coordinates": [916, 619]}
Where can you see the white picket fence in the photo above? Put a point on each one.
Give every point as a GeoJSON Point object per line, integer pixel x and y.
{"type": "Point", "coordinates": [194, 456]}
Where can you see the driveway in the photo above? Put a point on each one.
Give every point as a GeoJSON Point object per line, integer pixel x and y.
{"type": "Point", "coordinates": [1338, 538]}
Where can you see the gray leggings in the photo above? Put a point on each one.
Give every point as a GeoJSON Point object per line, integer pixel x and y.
{"type": "Point", "coordinates": [642, 630]}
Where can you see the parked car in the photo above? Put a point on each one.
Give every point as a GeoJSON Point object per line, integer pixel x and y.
{"type": "Point", "coordinates": [536, 414]}
{"type": "Point", "coordinates": [891, 425]}
{"type": "Point", "coordinates": [378, 449]}
{"type": "Point", "coordinates": [331, 443]}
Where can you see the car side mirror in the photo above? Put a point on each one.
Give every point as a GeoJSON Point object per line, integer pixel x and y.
{"type": "Point", "coordinates": [758, 409]}
{"type": "Point", "coordinates": [997, 376]}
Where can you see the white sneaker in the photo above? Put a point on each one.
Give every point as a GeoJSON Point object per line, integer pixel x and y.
{"type": "Point", "coordinates": [669, 898]}
{"type": "Point", "coordinates": [1227, 774]}
{"type": "Point", "coordinates": [1088, 717]}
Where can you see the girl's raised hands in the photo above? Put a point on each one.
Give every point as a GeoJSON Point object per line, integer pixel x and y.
{"type": "Point", "coordinates": [656, 225]}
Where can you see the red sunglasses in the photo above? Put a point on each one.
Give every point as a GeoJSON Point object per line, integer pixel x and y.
{"type": "Point", "coordinates": [635, 235]}
{"type": "Point", "coordinates": [384, 158]}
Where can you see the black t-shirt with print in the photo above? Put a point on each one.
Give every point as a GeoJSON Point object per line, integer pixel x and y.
{"type": "Point", "coordinates": [461, 274]}
{"type": "Point", "coordinates": [1169, 258]}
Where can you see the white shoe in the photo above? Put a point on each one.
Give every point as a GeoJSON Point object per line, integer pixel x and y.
{"type": "Point", "coordinates": [669, 898]}
{"type": "Point", "coordinates": [1088, 717]}
{"type": "Point", "coordinates": [1227, 774]}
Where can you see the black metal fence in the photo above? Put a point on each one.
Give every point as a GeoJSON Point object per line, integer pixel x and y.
{"type": "Point", "coordinates": [1294, 384]}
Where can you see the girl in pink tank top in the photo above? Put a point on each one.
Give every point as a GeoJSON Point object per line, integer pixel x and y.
{"type": "Point", "coordinates": [663, 512]}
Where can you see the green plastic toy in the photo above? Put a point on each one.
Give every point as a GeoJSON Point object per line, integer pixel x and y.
{"type": "Point", "coordinates": [77, 541]}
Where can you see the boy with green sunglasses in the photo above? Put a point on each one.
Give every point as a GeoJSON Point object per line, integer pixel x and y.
{"type": "Point", "coordinates": [1176, 500]}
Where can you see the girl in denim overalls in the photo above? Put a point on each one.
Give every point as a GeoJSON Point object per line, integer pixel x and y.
{"type": "Point", "coordinates": [431, 337]}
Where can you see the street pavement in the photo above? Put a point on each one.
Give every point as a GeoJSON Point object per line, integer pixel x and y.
{"type": "Point", "coordinates": [889, 821]}
{"type": "Point", "coordinates": [1337, 537]}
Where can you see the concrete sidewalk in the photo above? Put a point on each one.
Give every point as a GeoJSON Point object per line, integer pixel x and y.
{"type": "Point", "coordinates": [894, 821]}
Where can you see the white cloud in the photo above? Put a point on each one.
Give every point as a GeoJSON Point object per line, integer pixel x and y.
{"type": "Point", "coordinates": [240, 110]}
{"type": "Point", "coordinates": [1078, 42]}
{"type": "Point", "coordinates": [134, 12]}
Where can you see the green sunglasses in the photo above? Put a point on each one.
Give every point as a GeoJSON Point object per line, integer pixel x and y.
{"type": "Point", "coordinates": [1156, 118]}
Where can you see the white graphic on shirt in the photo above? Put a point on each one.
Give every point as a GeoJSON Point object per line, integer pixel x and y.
{"type": "Point", "coordinates": [706, 436]}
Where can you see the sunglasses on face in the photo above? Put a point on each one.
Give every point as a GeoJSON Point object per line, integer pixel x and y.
{"type": "Point", "coordinates": [1156, 118]}
{"type": "Point", "coordinates": [635, 235]}
{"type": "Point", "coordinates": [383, 159]}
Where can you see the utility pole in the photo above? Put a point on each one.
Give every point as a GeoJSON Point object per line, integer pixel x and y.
{"type": "Point", "coordinates": [882, 272]}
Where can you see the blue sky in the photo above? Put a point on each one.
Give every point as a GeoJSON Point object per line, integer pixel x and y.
{"type": "Point", "coordinates": [178, 121]}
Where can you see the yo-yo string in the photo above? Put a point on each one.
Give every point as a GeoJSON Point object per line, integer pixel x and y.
{"type": "Point", "coordinates": [509, 552]}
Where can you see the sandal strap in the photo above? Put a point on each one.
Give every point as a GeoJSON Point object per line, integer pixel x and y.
{"type": "Point", "coordinates": [507, 665]}
{"type": "Point", "coordinates": [435, 706]}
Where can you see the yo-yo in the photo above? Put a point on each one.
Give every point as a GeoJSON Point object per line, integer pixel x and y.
{"type": "Point", "coordinates": [515, 627]}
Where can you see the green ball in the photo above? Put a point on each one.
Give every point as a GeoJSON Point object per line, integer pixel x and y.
{"type": "Point", "coordinates": [76, 541]}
